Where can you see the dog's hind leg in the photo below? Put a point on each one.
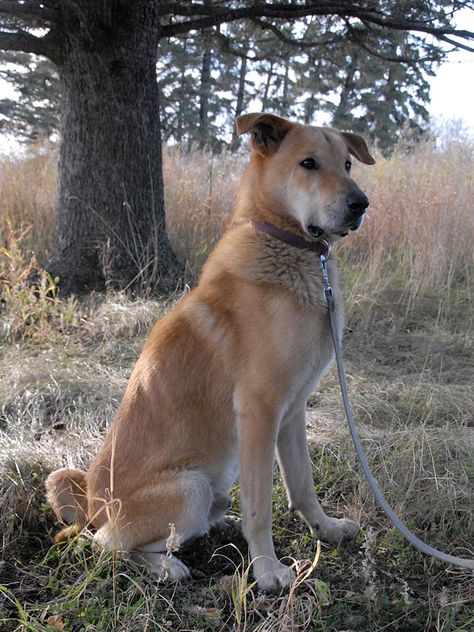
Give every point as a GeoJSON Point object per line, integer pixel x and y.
{"type": "Point", "coordinates": [296, 469]}
{"type": "Point", "coordinates": [158, 519]}
{"type": "Point", "coordinates": [155, 557]}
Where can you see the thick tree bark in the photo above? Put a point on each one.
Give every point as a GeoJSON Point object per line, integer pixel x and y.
{"type": "Point", "coordinates": [110, 226]}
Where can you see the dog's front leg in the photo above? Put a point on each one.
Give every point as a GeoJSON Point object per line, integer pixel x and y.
{"type": "Point", "coordinates": [296, 469]}
{"type": "Point", "coordinates": [258, 429]}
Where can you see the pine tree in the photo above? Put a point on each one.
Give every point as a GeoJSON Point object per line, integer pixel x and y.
{"type": "Point", "coordinates": [34, 113]}
{"type": "Point", "coordinates": [110, 219]}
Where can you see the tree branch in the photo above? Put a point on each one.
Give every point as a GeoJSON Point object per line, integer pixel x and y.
{"type": "Point", "coordinates": [410, 61]}
{"type": "Point", "coordinates": [227, 47]}
{"type": "Point", "coordinates": [27, 9]}
{"type": "Point", "coordinates": [324, 42]}
{"type": "Point", "coordinates": [452, 42]}
{"type": "Point", "coordinates": [277, 9]}
{"type": "Point", "coordinates": [289, 40]}
{"type": "Point", "coordinates": [212, 15]}
{"type": "Point", "coordinates": [21, 41]}
{"type": "Point", "coordinates": [215, 15]}
{"type": "Point", "coordinates": [396, 58]}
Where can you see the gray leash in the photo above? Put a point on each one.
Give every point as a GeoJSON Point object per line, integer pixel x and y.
{"type": "Point", "coordinates": [407, 534]}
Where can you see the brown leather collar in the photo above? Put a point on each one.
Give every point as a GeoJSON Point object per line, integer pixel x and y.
{"type": "Point", "coordinates": [321, 247]}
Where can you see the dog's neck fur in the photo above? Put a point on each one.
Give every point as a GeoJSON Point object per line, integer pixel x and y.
{"type": "Point", "coordinates": [252, 204]}
{"type": "Point", "coordinates": [266, 259]}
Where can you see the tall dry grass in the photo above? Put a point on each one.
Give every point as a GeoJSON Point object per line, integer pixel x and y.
{"type": "Point", "coordinates": [199, 197]}
{"type": "Point", "coordinates": [27, 195]}
{"type": "Point", "coordinates": [419, 231]}
{"type": "Point", "coordinates": [420, 224]}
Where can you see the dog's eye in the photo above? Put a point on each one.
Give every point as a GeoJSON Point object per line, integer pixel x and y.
{"type": "Point", "coordinates": [348, 165]}
{"type": "Point", "coordinates": [309, 163]}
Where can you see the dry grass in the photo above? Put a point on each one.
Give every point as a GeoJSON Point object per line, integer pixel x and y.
{"type": "Point", "coordinates": [419, 231]}
{"type": "Point", "coordinates": [64, 365]}
{"type": "Point", "coordinates": [199, 194]}
{"type": "Point", "coordinates": [420, 214]}
{"type": "Point", "coordinates": [27, 194]}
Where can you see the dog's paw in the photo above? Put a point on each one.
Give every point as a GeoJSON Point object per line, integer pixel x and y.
{"type": "Point", "coordinates": [272, 575]}
{"type": "Point", "coordinates": [336, 530]}
{"type": "Point", "coordinates": [229, 523]}
{"type": "Point", "coordinates": [165, 568]}
{"type": "Point", "coordinates": [174, 570]}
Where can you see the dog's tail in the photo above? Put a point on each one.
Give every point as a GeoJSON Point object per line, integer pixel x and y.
{"type": "Point", "coordinates": [66, 491]}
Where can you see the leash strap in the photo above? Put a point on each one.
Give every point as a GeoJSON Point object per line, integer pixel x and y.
{"type": "Point", "coordinates": [397, 523]}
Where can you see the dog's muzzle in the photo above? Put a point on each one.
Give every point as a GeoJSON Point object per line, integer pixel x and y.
{"type": "Point", "coordinates": [358, 223]}
{"type": "Point", "coordinates": [357, 203]}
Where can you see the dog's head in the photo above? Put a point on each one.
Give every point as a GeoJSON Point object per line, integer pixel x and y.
{"type": "Point", "coordinates": [304, 172]}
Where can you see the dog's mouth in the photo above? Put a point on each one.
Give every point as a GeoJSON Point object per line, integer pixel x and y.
{"type": "Point", "coordinates": [344, 232]}
{"type": "Point", "coordinates": [358, 223]}
{"type": "Point", "coordinates": [316, 232]}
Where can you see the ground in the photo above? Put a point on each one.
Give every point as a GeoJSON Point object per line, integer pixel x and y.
{"type": "Point", "coordinates": [409, 291]}
{"type": "Point", "coordinates": [410, 381]}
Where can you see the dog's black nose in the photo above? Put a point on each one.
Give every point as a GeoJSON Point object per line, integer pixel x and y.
{"type": "Point", "coordinates": [357, 202]}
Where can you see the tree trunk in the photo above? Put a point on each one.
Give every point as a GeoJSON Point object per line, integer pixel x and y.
{"type": "Point", "coordinates": [286, 84]}
{"type": "Point", "coordinates": [181, 108]}
{"type": "Point", "coordinates": [235, 142]}
{"type": "Point", "coordinates": [309, 108]}
{"type": "Point", "coordinates": [110, 222]}
{"type": "Point", "coordinates": [267, 88]}
{"type": "Point", "coordinates": [342, 115]}
{"type": "Point", "coordinates": [204, 92]}
{"type": "Point", "coordinates": [388, 112]}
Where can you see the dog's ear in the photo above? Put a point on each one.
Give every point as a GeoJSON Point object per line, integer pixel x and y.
{"type": "Point", "coordinates": [267, 130]}
{"type": "Point", "coordinates": [357, 147]}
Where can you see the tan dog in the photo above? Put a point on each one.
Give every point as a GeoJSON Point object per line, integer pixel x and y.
{"type": "Point", "coordinates": [223, 380]}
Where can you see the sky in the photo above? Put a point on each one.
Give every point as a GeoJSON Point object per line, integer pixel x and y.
{"type": "Point", "coordinates": [452, 89]}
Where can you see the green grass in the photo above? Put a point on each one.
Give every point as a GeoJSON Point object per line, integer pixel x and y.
{"type": "Point", "coordinates": [374, 582]}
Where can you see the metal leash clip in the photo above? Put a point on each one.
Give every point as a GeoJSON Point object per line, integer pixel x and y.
{"type": "Point", "coordinates": [325, 255]}
{"type": "Point", "coordinates": [324, 270]}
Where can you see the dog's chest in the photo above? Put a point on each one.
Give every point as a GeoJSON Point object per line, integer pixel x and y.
{"type": "Point", "coordinates": [305, 347]}
{"type": "Point", "coordinates": [315, 352]}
